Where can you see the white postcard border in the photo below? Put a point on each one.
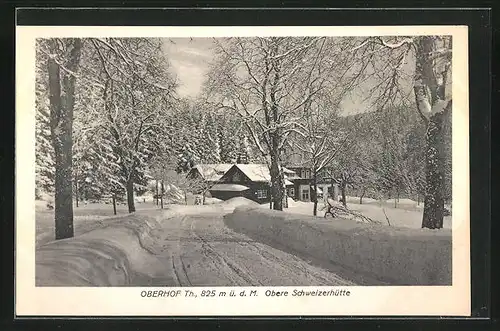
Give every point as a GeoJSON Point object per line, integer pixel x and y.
{"type": "Point", "coordinates": [363, 300]}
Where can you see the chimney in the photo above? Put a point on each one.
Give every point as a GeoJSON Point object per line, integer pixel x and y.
{"type": "Point", "coordinates": [242, 159]}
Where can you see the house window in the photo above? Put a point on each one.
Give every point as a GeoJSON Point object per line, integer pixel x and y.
{"type": "Point", "coordinates": [305, 194]}
{"type": "Point", "coordinates": [261, 194]}
{"type": "Point", "coordinates": [292, 191]}
{"type": "Point", "coordinates": [306, 174]}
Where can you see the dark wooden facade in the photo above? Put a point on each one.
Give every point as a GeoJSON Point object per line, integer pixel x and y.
{"type": "Point", "coordinates": [258, 191]}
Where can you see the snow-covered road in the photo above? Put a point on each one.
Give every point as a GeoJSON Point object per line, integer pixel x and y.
{"type": "Point", "coordinates": [200, 250]}
{"type": "Point", "coordinates": [182, 246]}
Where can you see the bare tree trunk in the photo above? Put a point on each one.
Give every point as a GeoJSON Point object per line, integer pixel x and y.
{"type": "Point", "coordinates": [276, 178]}
{"type": "Point", "coordinates": [130, 195]}
{"type": "Point", "coordinates": [314, 194]}
{"type": "Point", "coordinates": [114, 204]}
{"type": "Point", "coordinates": [156, 192]}
{"type": "Point", "coordinates": [62, 99]}
{"type": "Point", "coordinates": [363, 191]}
{"type": "Point", "coordinates": [285, 197]}
{"type": "Point", "coordinates": [334, 195]}
{"type": "Point", "coordinates": [433, 103]}
{"type": "Point", "coordinates": [434, 193]}
{"type": "Point", "coordinates": [76, 189]}
{"type": "Point", "coordinates": [162, 192]}
{"type": "Point", "coordinates": [343, 187]}
{"type": "Point", "coordinates": [396, 200]}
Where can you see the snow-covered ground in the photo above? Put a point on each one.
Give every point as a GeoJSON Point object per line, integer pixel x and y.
{"type": "Point", "coordinates": [85, 217]}
{"type": "Point", "coordinates": [178, 246]}
{"type": "Point", "coordinates": [185, 245]}
{"type": "Point", "coordinates": [408, 214]}
{"type": "Point", "coordinates": [212, 201]}
{"type": "Point", "coordinates": [374, 253]}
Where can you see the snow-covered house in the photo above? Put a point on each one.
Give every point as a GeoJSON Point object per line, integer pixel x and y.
{"type": "Point", "coordinates": [209, 172]}
{"type": "Point", "coordinates": [303, 184]}
{"type": "Point", "coordinates": [303, 189]}
{"type": "Point", "coordinates": [251, 181]}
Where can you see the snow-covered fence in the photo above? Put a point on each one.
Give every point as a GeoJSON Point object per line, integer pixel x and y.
{"type": "Point", "coordinates": [371, 254]}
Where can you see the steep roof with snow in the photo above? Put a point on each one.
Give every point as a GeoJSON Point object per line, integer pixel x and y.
{"type": "Point", "coordinates": [259, 172]}
{"type": "Point", "coordinates": [212, 171]}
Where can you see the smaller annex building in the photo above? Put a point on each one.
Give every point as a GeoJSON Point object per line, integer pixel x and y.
{"type": "Point", "coordinates": [211, 173]}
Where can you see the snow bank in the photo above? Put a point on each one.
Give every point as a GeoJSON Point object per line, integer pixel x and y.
{"type": "Point", "coordinates": [212, 201]}
{"type": "Point", "coordinates": [183, 210]}
{"type": "Point", "coordinates": [223, 207]}
{"type": "Point", "coordinates": [372, 254]}
{"type": "Point", "coordinates": [122, 253]}
{"type": "Point", "coordinates": [40, 204]}
{"type": "Point", "coordinates": [398, 217]}
{"type": "Point", "coordinates": [46, 203]}
{"type": "Point", "coordinates": [403, 201]}
{"type": "Point", "coordinates": [351, 199]}
{"type": "Point", "coordinates": [231, 204]}
{"type": "Point", "coordinates": [240, 201]}
{"type": "Point", "coordinates": [86, 217]}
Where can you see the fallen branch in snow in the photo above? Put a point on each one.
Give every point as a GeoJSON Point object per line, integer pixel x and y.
{"type": "Point", "coordinates": [338, 211]}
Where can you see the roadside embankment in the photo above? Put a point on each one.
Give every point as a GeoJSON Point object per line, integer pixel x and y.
{"type": "Point", "coordinates": [119, 254]}
{"type": "Point", "coordinates": [372, 254]}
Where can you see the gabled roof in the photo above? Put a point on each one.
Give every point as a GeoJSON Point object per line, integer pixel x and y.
{"type": "Point", "coordinates": [259, 172]}
{"type": "Point", "coordinates": [212, 171]}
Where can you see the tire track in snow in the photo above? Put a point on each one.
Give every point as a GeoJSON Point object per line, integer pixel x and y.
{"type": "Point", "coordinates": [236, 270]}
{"type": "Point", "coordinates": [298, 266]}
{"type": "Point", "coordinates": [180, 274]}
{"type": "Point", "coordinates": [174, 270]}
{"type": "Point", "coordinates": [185, 271]}
{"type": "Point", "coordinates": [288, 262]}
{"type": "Point", "coordinates": [229, 258]}
{"type": "Point", "coordinates": [290, 265]}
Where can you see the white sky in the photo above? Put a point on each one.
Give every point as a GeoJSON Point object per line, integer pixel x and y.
{"type": "Point", "coordinates": [190, 59]}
